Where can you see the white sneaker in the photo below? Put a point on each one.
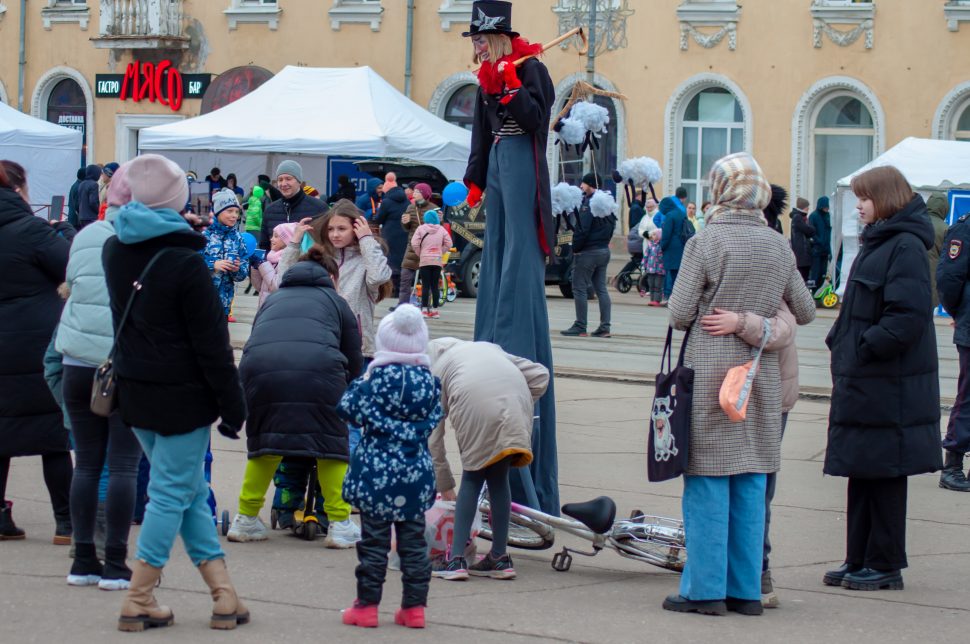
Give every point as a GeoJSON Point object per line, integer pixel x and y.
{"type": "Point", "coordinates": [343, 534]}
{"type": "Point", "coordinates": [247, 529]}
{"type": "Point", "coordinates": [114, 584]}
{"type": "Point", "coordinates": [83, 580]}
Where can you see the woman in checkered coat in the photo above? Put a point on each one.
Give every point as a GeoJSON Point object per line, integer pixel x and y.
{"type": "Point", "coordinates": [735, 263]}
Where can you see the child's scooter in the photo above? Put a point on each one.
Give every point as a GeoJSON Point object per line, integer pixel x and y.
{"type": "Point", "coordinates": [306, 523]}
{"type": "Point", "coordinates": [826, 295]}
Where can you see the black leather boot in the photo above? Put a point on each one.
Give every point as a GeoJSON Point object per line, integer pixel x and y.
{"type": "Point", "coordinates": [952, 476]}
{"type": "Point", "coordinates": [870, 579]}
{"type": "Point", "coordinates": [8, 529]}
{"type": "Point", "coordinates": [835, 577]}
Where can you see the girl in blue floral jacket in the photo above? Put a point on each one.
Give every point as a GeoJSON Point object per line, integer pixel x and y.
{"type": "Point", "coordinates": [397, 404]}
{"type": "Point", "coordinates": [225, 248]}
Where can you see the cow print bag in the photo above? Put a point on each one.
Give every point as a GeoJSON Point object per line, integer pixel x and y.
{"type": "Point", "coordinates": [670, 416]}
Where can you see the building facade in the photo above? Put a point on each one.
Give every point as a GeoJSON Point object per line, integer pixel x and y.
{"type": "Point", "coordinates": [813, 88]}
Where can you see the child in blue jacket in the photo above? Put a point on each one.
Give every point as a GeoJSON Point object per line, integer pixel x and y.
{"type": "Point", "coordinates": [225, 248]}
{"type": "Point", "coordinates": [397, 404]}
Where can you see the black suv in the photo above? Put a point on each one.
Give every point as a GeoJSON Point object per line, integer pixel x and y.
{"type": "Point", "coordinates": [468, 228]}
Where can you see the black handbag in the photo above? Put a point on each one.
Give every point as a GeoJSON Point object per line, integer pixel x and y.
{"type": "Point", "coordinates": [667, 443]}
{"type": "Point", "coordinates": [104, 398]}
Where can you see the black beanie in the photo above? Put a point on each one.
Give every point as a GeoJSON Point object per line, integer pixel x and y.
{"type": "Point", "coordinates": [590, 180]}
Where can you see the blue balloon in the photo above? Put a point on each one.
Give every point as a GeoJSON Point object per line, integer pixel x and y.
{"type": "Point", "coordinates": [454, 193]}
{"type": "Point", "coordinates": [250, 240]}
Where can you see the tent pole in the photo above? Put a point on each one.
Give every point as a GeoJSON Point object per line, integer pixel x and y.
{"type": "Point", "coordinates": [408, 41]}
{"type": "Point", "coordinates": [22, 61]}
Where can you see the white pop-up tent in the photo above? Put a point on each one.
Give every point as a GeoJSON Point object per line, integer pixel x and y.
{"type": "Point", "coordinates": [311, 114]}
{"type": "Point", "coordinates": [50, 154]}
{"type": "Point", "coordinates": [928, 164]}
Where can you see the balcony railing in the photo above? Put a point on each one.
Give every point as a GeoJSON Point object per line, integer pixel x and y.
{"type": "Point", "coordinates": [141, 24]}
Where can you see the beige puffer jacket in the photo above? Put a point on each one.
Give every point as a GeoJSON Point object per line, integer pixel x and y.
{"type": "Point", "coordinates": [751, 330]}
{"type": "Point", "coordinates": [489, 399]}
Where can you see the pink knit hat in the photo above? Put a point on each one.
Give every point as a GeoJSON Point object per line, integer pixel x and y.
{"type": "Point", "coordinates": [119, 192]}
{"type": "Point", "coordinates": [285, 232]}
{"type": "Point", "coordinates": [157, 182]}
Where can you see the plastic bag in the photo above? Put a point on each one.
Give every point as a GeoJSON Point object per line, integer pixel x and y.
{"type": "Point", "coordinates": [440, 526]}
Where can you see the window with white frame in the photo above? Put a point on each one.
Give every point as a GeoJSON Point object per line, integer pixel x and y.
{"type": "Point", "coordinates": [253, 11]}
{"type": "Point", "coordinates": [601, 159]}
{"type": "Point", "coordinates": [460, 108]}
{"type": "Point", "coordinates": [454, 11]}
{"type": "Point", "coordinates": [369, 12]}
{"type": "Point", "coordinates": [843, 140]}
{"type": "Point", "coordinates": [955, 12]}
{"type": "Point", "coordinates": [66, 11]}
{"type": "Point", "coordinates": [712, 126]}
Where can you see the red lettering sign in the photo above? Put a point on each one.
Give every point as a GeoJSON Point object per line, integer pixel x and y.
{"type": "Point", "coordinates": [161, 83]}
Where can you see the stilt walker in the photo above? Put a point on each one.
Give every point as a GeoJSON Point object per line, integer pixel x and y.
{"type": "Point", "coordinates": [508, 163]}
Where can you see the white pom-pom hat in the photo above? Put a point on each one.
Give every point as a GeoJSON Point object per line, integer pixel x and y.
{"type": "Point", "coordinates": [403, 331]}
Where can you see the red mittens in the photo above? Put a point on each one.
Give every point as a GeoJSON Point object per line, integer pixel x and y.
{"type": "Point", "coordinates": [510, 78]}
{"type": "Point", "coordinates": [474, 194]}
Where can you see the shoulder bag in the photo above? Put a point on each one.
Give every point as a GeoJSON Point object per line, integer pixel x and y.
{"type": "Point", "coordinates": [104, 395]}
{"type": "Point", "coordinates": [736, 388]}
{"type": "Point", "coordinates": [670, 416]}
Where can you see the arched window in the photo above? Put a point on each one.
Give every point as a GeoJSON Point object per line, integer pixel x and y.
{"type": "Point", "coordinates": [67, 106]}
{"type": "Point", "coordinates": [460, 108]}
{"type": "Point", "coordinates": [572, 165]}
{"type": "Point", "coordinates": [843, 140]}
{"type": "Point", "coordinates": [712, 126]}
{"type": "Point", "coordinates": [961, 131]}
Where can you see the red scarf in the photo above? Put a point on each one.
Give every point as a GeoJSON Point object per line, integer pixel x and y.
{"type": "Point", "coordinates": [488, 75]}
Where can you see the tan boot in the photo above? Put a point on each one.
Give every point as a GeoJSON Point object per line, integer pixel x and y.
{"type": "Point", "coordinates": [140, 610]}
{"type": "Point", "coordinates": [227, 609]}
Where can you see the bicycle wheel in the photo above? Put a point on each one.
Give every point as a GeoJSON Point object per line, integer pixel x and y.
{"type": "Point", "coordinates": [658, 541]}
{"type": "Point", "coordinates": [624, 282]}
{"type": "Point", "coordinates": [524, 532]}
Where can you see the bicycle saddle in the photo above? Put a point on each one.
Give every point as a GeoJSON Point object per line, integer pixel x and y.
{"type": "Point", "coordinates": [597, 515]}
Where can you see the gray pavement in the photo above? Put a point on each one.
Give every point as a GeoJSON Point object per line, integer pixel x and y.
{"type": "Point", "coordinates": [296, 589]}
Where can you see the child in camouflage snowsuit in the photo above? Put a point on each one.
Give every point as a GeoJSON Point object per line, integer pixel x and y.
{"type": "Point", "coordinates": [225, 248]}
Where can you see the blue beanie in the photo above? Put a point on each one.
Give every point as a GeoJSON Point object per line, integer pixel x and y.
{"type": "Point", "coordinates": [431, 217]}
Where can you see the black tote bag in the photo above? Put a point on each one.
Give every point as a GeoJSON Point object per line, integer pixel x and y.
{"type": "Point", "coordinates": [670, 416]}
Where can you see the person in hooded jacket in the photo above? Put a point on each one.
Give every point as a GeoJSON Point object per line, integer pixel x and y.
{"type": "Point", "coordinates": [672, 239]}
{"type": "Point", "coordinates": [294, 205]}
{"type": "Point", "coordinates": [802, 233]}
{"type": "Point", "coordinates": [938, 209]}
{"type": "Point", "coordinates": [410, 220]}
{"type": "Point", "coordinates": [369, 202]}
{"type": "Point", "coordinates": [88, 199]}
{"type": "Point", "coordinates": [33, 259]}
{"type": "Point", "coordinates": [821, 221]}
{"type": "Point", "coordinates": [72, 198]}
{"type": "Point", "coordinates": [883, 349]}
{"type": "Point", "coordinates": [84, 339]}
{"type": "Point", "coordinates": [393, 205]}
{"type": "Point", "coordinates": [175, 375]}
{"type": "Point", "coordinates": [299, 359]}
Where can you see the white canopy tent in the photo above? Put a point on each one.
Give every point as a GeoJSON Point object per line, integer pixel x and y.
{"type": "Point", "coordinates": [311, 114]}
{"type": "Point", "coordinates": [50, 154]}
{"type": "Point", "coordinates": [928, 164]}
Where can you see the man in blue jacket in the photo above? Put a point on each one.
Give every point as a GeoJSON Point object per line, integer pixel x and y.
{"type": "Point", "coordinates": [675, 232]}
{"type": "Point", "coordinates": [953, 286]}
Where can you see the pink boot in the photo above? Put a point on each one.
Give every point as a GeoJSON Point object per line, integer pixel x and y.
{"type": "Point", "coordinates": [363, 615]}
{"type": "Point", "coordinates": [411, 617]}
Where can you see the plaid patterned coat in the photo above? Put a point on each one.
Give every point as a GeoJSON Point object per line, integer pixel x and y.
{"type": "Point", "coordinates": [738, 264]}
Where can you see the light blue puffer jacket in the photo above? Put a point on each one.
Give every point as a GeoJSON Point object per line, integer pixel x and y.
{"type": "Point", "coordinates": [86, 333]}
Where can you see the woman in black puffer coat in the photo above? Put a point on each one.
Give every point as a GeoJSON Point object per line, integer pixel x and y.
{"type": "Point", "coordinates": [884, 423]}
{"type": "Point", "coordinates": [33, 261]}
{"type": "Point", "coordinates": [303, 351]}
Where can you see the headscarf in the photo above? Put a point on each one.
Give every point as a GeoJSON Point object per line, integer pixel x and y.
{"type": "Point", "coordinates": [738, 186]}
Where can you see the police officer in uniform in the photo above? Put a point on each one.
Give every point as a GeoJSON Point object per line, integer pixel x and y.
{"type": "Point", "coordinates": [953, 285]}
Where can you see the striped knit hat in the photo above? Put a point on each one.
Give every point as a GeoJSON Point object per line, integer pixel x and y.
{"type": "Point", "coordinates": [738, 186]}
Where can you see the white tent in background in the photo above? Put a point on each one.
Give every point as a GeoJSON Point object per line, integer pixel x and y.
{"type": "Point", "coordinates": [928, 164]}
{"type": "Point", "coordinates": [50, 154]}
{"type": "Point", "coordinates": [310, 114]}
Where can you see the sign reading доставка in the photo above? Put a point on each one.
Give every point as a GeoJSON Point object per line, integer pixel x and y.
{"type": "Point", "coordinates": [153, 82]}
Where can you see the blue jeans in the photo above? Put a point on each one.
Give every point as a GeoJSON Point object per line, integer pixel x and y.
{"type": "Point", "coordinates": [724, 521]}
{"type": "Point", "coordinates": [177, 498]}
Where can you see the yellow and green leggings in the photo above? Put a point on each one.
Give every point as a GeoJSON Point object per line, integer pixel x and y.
{"type": "Point", "coordinates": [259, 474]}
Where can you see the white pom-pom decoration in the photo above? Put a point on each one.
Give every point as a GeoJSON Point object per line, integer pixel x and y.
{"type": "Point", "coordinates": [566, 198]}
{"type": "Point", "coordinates": [642, 170]}
{"type": "Point", "coordinates": [573, 131]}
{"type": "Point", "coordinates": [602, 204]}
{"type": "Point", "coordinates": [593, 117]}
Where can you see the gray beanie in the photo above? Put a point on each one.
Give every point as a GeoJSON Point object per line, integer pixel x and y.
{"type": "Point", "coordinates": [292, 168]}
{"type": "Point", "coordinates": [223, 200]}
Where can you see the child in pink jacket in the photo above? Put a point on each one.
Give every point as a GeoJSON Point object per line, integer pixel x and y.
{"type": "Point", "coordinates": [283, 254]}
{"type": "Point", "coordinates": [430, 241]}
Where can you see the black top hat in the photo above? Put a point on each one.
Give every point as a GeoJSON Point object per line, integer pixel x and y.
{"type": "Point", "coordinates": [491, 17]}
